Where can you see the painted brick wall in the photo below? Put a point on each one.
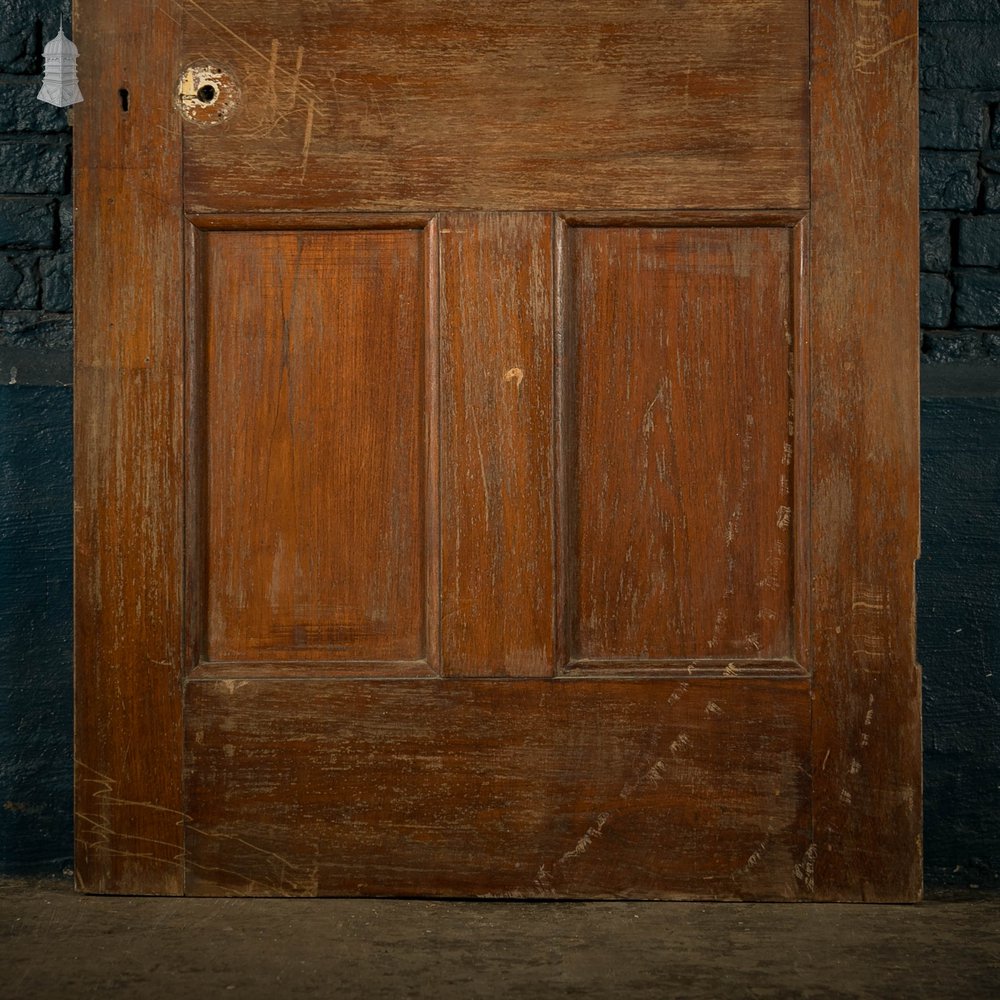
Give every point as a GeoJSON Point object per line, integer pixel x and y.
{"type": "Point", "coordinates": [958, 583]}
{"type": "Point", "coordinates": [36, 218]}
{"type": "Point", "coordinates": [960, 180]}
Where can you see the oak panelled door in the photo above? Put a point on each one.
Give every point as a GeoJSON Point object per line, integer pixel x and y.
{"type": "Point", "coordinates": [497, 448]}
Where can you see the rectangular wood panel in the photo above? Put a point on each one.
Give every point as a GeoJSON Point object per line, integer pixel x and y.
{"type": "Point", "coordinates": [314, 399]}
{"type": "Point", "coordinates": [639, 788]}
{"type": "Point", "coordinates": [679, 443]}
{"type": "Point", "coordinates": [419, 104]}
{"type": "Point", "coordinates": [497, 497]}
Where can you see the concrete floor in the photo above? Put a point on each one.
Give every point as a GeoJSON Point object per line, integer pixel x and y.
{"type": "Point", "coordinates": [54, 943]}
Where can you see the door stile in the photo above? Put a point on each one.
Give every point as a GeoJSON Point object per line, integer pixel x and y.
{"type": "Point", "coordinates": [865, 471]}
{"type": "Point", "coordinates": [129, 318]}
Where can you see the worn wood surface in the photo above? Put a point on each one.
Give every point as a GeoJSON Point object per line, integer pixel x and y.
{"type": "Point", "coordinates": [499, 787]}
{"type": "Point", "coordinates": [303, 777]}
{"type": "Point", "coordinates": [865, 466]}
{"type": "Point", "coordinates": [497, 487]}
{"type": "Point", "coordinates": [389, 104]}
{"type": "Point", "coordinates": [679, 453]}
{"type": "Point", "coordinates": [315, 452]}
{"type": "Point", "coordinates": [128, 454]}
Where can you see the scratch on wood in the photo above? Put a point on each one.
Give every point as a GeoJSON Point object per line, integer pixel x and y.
{"type": "Point", "coordinates": [583, 844]}
{"type": "Point", "coordinates": [753, 860]}
{"type": "Point", "coordinates": [806, 871]}
{"type": "Point", "coordinates": [239, 38]}
{"type": "Point", "coordinates": [96, 833]}
{"type": "Point", "coordinates": [307, 136]}
{"type": "Point", "coordinates": [874, 29]}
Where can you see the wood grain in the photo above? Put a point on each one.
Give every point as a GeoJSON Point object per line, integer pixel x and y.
{"type": "Point", "coordinates": [315, 393]}
{"type": "Point", "coordinates": [865, 469]}
{"type": "Point", "coordinates": [128, 454]}
{"type": "Point", "coordinates": [497, 420]}
{"type": "Point", "coordinates": [679, 454]}
{"type": "Point", "coordinates": [648, 348]}
{"type": "Point", "coordinates": [396, 104]}
{"type": "Point", "coordinates": [525, 788]}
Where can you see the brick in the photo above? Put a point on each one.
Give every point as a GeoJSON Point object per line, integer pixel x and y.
{"type": "Point", "coordinates": [935, 301]}
{"type": "Point", "coordinates": [979, 241]}
{"type": "Point", "coordinates": [21, 111]}
{"type": "Point", "coordinates": [966, 345]}
{"type": "Point", "coordinates": [27, 224]}
{"type": "Point", "coordinates": [25, 330]}
{"type": "Point", "coordinates": [991, 185]}
{"type": "Point", "coordinates": [959, 54]}
{"type": "Point", "coordinates": [952, 121]}
{"type": "Point", "coordinates": [57, 283]}
{"type": "Point", "coordinates": [24, 26]}
{"type": "Point", "coordinates": [959, 10]}
{"type": "Point", "coordinates": [66, 225]}
{"type": "Point", "coordinates": [935, 242]}
{"type": "Point", "coordinates": [18, 51]}
{"type": "Point", "coordinates": [33, 167]}
{"type": "Point", "coordinates": [991, 346]}
{"type": "Point", "coordinates": [995, 128]}
{"type": "Point", "coordinates": [18, 287]}
{"type": "Point", "coordinates": [948, 180]}
{"type": "Point", "coordinates": [977, 298]}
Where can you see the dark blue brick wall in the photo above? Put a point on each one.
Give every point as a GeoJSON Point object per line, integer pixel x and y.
{"type": "Point", "coordinates": [958, 631]}
{"type": "Point", "coordinates": [36, 614]}
{"type": "Point", "coordinates": [36, 276]}
{"type": "Point", "coordinates": [960, 180]}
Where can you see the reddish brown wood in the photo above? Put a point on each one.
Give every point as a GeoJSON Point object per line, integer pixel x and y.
{"type": "Point", "coordinates": [317, 486]}
{"type": "Point", "coordinates": [401, 104]}
{"type": "Point", "coordinates": [865, 472]}
{"type": "Point", "coordinates": [679, 444]}
{"type": "Point", "coordinates": [497, 419]}
{"type": "Point", "coordinates": [129, 437]}
{"type": "Point", "coordinates": [340, 764]}
{"type": "Point", "coordinates": [499, 787]}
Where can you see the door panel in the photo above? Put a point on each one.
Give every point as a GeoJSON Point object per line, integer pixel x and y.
{"type": "Point", "coordinates": [427, 104]}
{"type": "Point", "coordinates": [484, 485]}
{"type": "Point", "coordinates": [526, 788]}
{"type": "Point", "coordinates": [316, 494]}
{"type": "Point", "coordinates": [678, 387]}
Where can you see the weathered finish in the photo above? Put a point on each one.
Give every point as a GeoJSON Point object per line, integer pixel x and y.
{"type": "Point", "coordinates": [865, 466]}
{"type": "Point", "coordinates": [315, 454]}
{"type": "Point", "coordinates": [390, 104]}
{"type": "Point", "coordinates": [774, 783]}
{"type": "Point", "coordinates": [497, 415]}
{"type": "Point", "coordinates": [481, 787]}
{"type": "Point", "coordinates": [128, 441]}
{"type": "Point", "coordinates": [677, 391]}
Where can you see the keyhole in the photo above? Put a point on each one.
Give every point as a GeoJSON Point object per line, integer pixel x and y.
{"type": "Point", "coordinates": [206, 94]}
{"type": "Point", "coordinates": [123, 97]}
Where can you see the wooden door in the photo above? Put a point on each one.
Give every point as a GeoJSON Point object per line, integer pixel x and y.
{"type": "Point", "coordinates": [497, 448]}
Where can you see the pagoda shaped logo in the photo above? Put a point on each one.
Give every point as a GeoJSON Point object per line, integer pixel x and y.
{"type": "Point", "coordinates": [59, 84]}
